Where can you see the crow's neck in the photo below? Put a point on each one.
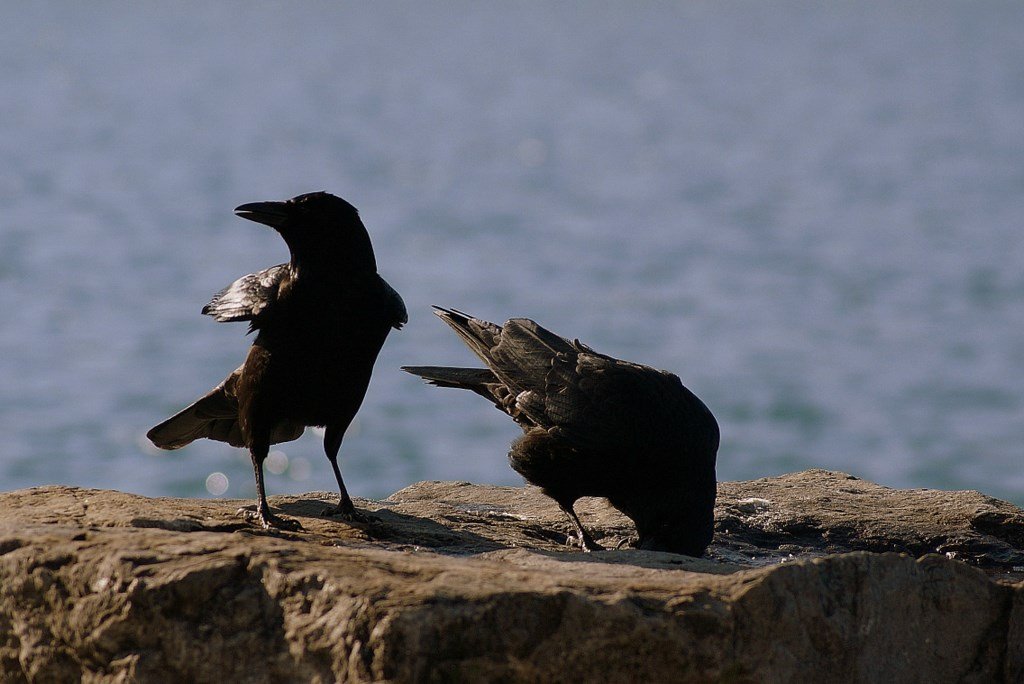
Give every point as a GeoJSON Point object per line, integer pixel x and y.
{"type": "Point", "coordinates": [328, 266]}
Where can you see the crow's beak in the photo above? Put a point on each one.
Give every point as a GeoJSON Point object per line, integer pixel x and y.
{"type": "Point", "coordinates": [273, 214]}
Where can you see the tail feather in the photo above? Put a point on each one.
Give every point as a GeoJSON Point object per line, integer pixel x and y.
{"type": "Point", "coordinates": [477, 380]}
{"type": "Point", "coordinates": [479, 335]}
{"type": "Point", "coordinates": [520, 354]}
{"type": "Point", "coordinates": [462, 378]}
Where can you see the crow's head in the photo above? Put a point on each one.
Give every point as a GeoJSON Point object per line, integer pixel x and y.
{"type": "Point", "coordinates": [677, 519]}
{"type": "Point", "coordinates": [685, 535]}
{"type": "Point", "coordinates": [316, 226]}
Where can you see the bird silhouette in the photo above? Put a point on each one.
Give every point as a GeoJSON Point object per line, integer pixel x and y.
{"type": "Point", "coordinates": [596, 426]}
{"type": "Point", "coordinates": [320, 319]}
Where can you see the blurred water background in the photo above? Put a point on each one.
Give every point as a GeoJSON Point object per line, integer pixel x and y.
{"type": "Point", "coordinates": [811, 212]}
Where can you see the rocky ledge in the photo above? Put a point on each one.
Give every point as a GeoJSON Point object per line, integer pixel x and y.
{"type": "Point", "coordinates": [814, 576]}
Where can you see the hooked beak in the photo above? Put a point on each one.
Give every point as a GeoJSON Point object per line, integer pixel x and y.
{"type": "Point", "coordinates": [273, 214]}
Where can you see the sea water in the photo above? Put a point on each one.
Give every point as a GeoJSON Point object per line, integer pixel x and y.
{"type": "Point", "coordinates": [812, 213]}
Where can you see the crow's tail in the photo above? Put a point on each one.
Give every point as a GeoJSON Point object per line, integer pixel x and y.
{"type": "Point", "coordinates": [463, 378]}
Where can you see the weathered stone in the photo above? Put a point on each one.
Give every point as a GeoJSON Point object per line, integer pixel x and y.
{"type": "Point", "coordinates": [457, 582]}
{"type": "Point", "coordinates": [825, 512]}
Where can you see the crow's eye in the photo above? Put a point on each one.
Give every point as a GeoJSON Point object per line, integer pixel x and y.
{"type": "Point", "coordinates": [307, 198]}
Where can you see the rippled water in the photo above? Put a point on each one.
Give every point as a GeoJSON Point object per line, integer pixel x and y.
{"type": "Point", "coordinates": [812, 214]}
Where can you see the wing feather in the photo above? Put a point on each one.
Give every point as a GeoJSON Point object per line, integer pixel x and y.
{"type": "Point", "coordinates": [246, 298]}
{"type": "Point", "coordinates": [593, 401]}
{"type": "Point", "coordinates": [215, 416]}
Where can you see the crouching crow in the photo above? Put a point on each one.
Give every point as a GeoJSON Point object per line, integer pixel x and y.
{"type": "Point", "coordinates": [596, 426]}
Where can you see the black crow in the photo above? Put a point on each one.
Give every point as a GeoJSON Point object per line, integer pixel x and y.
{"type": "Point", "coordinates": [596, 426]}
{"type": "Point", "coordinates": [321, 320]}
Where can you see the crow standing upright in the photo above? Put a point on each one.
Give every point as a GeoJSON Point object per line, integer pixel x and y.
{"type": "Point", "coordinates": [321, 320]}
{"type": "Point", "coordinates": [596, 426]}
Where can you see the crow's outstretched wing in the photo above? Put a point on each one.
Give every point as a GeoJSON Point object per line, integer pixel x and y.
{"type": "Point", "coordinates": [215, 416]}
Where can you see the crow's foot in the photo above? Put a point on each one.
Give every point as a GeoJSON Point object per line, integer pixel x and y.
{"type": "Point", "coordinates": [348, 514]}
{"type": "Point", "coordinates": [268, 520]}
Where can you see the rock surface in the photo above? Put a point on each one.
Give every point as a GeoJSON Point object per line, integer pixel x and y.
{"type": "Point", "coordinates": [458, 582]}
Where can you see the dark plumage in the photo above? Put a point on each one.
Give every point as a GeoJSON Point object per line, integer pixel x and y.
{"type": "Point", "coordinates": [321, 320]}
{"type": "Point", "coordinates": [596, 426]}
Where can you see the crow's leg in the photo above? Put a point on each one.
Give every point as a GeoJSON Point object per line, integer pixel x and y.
{"type": "Point", "coordinates": [262, 515]}
{"type": "Point", "coordinates": [587, 542]}
{"type": "Point", "coordinates": [345, 508]}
